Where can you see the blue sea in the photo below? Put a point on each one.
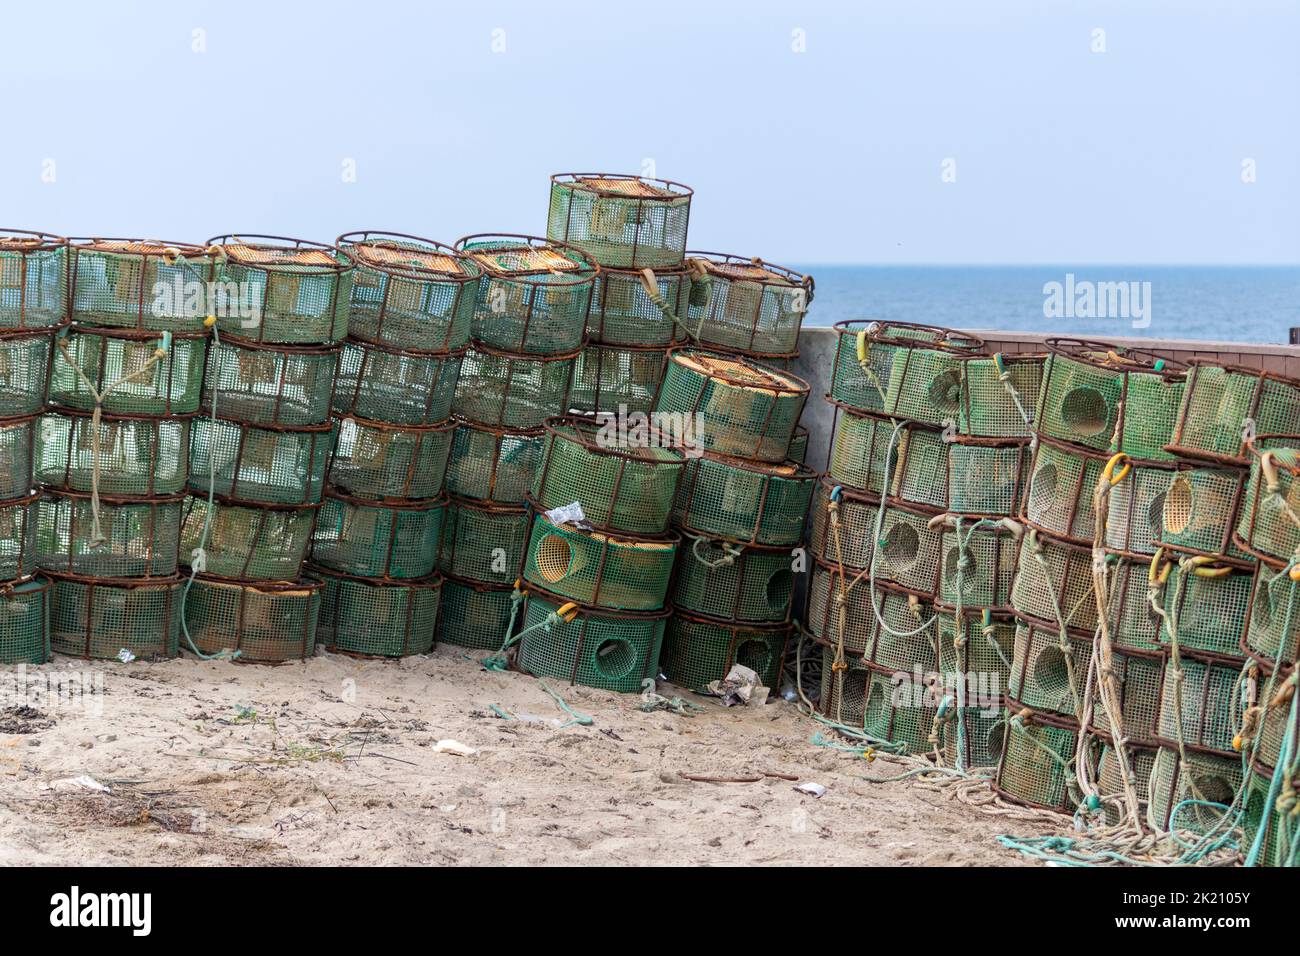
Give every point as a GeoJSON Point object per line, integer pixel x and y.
{"type": "Point", "coordinates": [1219, 303]}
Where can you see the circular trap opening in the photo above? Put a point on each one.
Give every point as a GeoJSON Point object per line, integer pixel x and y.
{"type": "Point", "coordinates": [1178, 505]}
{"type": "Point", "coordinates": [553, 558]}
{"type": "Point", "coordinates": [1042, 490]}
{"type": "Point", "coordinates": [993, 741]}
{"type": "Point", "coordinates": [945, 391]}
{"type": "Point", "coordinates": [1214, 788]}
{"type": "Point", "coordinates": [1051, 673]}
{"type": "Point", "coordinates": [755, 655]}
{"type": "Point", "coordinates": [779, 587]}
{"type": "Point", "coordinates": [901, 546]}
{"type": "Point", "coordinates": [1155, 512]}
{"type": "Point", "coordinates": [615, 658]}
{"type": "Point", "coordinates": [1085, 411]}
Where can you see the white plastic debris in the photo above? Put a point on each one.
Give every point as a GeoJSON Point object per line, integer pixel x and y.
{"type": "Point", "coordinates": [571, 513]}
{"type": "Point", "coordinates": [454, 747]}
{"type": "Point", "coordinates": [812, 789]}
{"type": "Point", "coordinates": [125, 656]}
{"type": "Point", "coordinates": [80, 783]}
{"type": "Point", "coordinates": [740, 686]}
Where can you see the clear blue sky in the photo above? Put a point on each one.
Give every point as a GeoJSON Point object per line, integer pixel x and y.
{"type": "Point", "coordinates": [835, 154]}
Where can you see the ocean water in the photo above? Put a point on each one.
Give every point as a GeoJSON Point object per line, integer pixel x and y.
{"type": "Point", "coordinates": [1218, 303]}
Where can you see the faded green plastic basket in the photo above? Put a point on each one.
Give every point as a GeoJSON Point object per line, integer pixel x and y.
{"type": "Point", "coordinates": [981, 652]}
{"type": "Point", "coordinates": [753, 307]}
{"type": "Point", "coordinates": [598, 569]}
{"type": "Point", "coordinates": [24, 371]}
{"type": "Point", "coordinates": [19, 551]}
{"type": "Point", "coordinates": [861, 456]}
{"type": "Point", "coordinates": [1135, 509]}
{"type": "Point", "coordinates": [24, 629]}
{"type": "Point", "coordinates": [378, 460]}
{"type": "Point", "coordinates": [377, 619]}
{"type": "Point", "coordinates": [698, 650]}
{"type": "Point", "coordinates": [615, 379]}
{"type": "Point", "coordinates": [744, 501]}
{"type": "Point", "coordinates": [1037, 768]}
{"type": "Point", "coordinates": [254, 464]}
{"type": "Point", "coordinates": [983, 736]}
{"type": "Point", "coordinates": [876, 369]}
{"type": "Point", "coordinates": [990, 409]}
{"type": "Point", "coordinates": [843, 692]}
{"type": "Point", "coordinates": [371, 539]}
{"type": "Point", "coordinates": [1133, 623]}
{"type": "Point", "coordinates": [33, 279]}
{"type": "Point", "coordinates": [1203, 777]}
{"type": "Point", "coordinates": [98, 618]}
{"type": "Point", "coordinates": [266, 622]}
{"type": "Point", "coordinates": [248, 543]}
{"type": "Point", "coordinates": [483, 542]}
{"type": "Point", "coordinates": [474, 615]}
{"type": "Point", "coordinates": [512, 392]}
{"type": "Point", "coordinates": [978, 570]}
{"type": "Point", "coordinates": [1211, 611]}
{"type": "Point", "coordinates": [1110, 779]}
{"type": "Point", "coordinates": [142, 536]}
{"type": "Point", "coordinates": [857, 519]}
{"type": "Point", "coordinates": [139, 456]}
{"type": "Point", "coordinates": [987, 476]}
{"type": "Point", "coordinates": [921, 474]}
{"type": "Point", "coordinates": [1061, 485]}
{"type": "Point", "coordinates": [860, 631]}
{"type": "Point", "coordinates": [1200, 511]}
{"type": "Point", "coordinates": [1064, 584]}
{"type": "Point", "coordinates": [908, 552]}
{"type": "Point", "coordinates": [1208, 709]}
{"type": "Point", "coordinates": [117, 362]}
{"type": "Point", "coordinates": [746, 584]}
{"type": "Point", "coordinates": [798, 448]}
{"type": "Point", "coordinates": [1259, 813]}
{"type": "Point", "coordinates": [1272, 594]}
{"type": "Point", "coordinates": [900, 709]}
{"type": "Point", "coordinates": [622, 312]}
{"type": "Point", "coordinates": [1137, 681]}
{"type": "Point", "coordinates": [144, 285]}
{"type": "Point", "coordinates": [1045, 675]}
{"type": "Point", "coordinates": [270, 384]}
{"type": "Point", "coordinates": [493, 465]}
{"type": "Point", "coordinates": [1216, 402]}
{"type": "Point", "coordinates": [402, 388]}
{"type": "Point", "coordinates": [623, 221]}
{"type": "Point", "coordinates": [1266, 527]}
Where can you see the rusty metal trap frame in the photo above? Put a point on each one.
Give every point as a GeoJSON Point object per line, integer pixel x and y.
{"type": "Point", "coordinates": [625, 483]}
{"type": "Point", "coordinates": [1062, 480]}
{"type": "Point", "coordinates": [492, 464]}
{"type": "Point", "coordinates": [1098, 395]}
{"type": "Point", "coordinates": [137, 455]}
{"type": "Point", "coordinates": [1137, 679]}
{"type": "Point", "coordinates": [378, 539]}
{"type": "Point", "coordinates": [623, 221]}
{"type": "Point", "coordinates": [483, 541]}
{"type": "Point", "coordinates": [97, 618]}
{"type": "Point", "coordinates": [843, 693]}
{"type": "Point", "coordinates": [1134, 625]}
{"type": "Point", "coordinates": [141, 536]}
{"type": "Point", "coordinates": [17, 455]}
{"type": "Point", "coordinates": [753, 307]}
{"type": "Point", "coordinates": [474, 615]}
{"type": "Point", "coordinates": [24, 625]}
{"type": "Point", "coordinates": [271, 384]}
{"type": "Point", "coordinates": [380, 460]}
{"type": "Point", "coordinates": [34, 269]}
{"type": "Point", "coordinates": [987, 476]}
{"type": "Point", "coordinates": [301, 290]}
{"type": "Point", "coordinates": [1201, 507]}
{"type": "Point", "coordinates": [136, 373]}
{"type": "Point", "coordinates": [616, 379]}
{"type": "Point", "coordinates": [141, 284]}
{"type": "Point", "coordinates": [598, 569]}
{"type": "Point", "coordinates": [266, 622]}
{"type": "Point", "coordinates": [921, 468]}
{"type": "Point", "coordinates": [25, 358]}
{"type": "Point", "coordinates": [385, 384]}
{"type": "Point", "coordinates": [980, 644]}
{"type": "Point", "coordinates": [1209, 604]}
{"type": "Point", "coordinates": [909, 549]}
{"type": "Point", "coordinates": [1217, 401]}
{"type": "Point", "coordinates": [1110, 777]}
{"type": "Point", "coordinates": [1203, 708]}
{"type": "Point", "coordinates": [907, 636]}
{"type": "Point", "coordinates": [1274, 599]}
{"type": "Point", "coordinates": [623, 313]}
{"type": "Point", "coordinates": [900, 707]}
{"type": "Point", "coordinates": [1000, 395]}
{"type": "Point", "coordinates": [743, 408]}
{"type": "Point", "coordinates": [410, 293]}
{"type": "Point", "coordinates": [19, 550]}
{"type": "Point", "coordinates": [698, 650]}
{"type": "Point", "coordinates": [596, 647]}
{"type": "Point", "coordinates": [372, 618]}
{"type": "Point", "coordinates": [1049, 673]}
{"type": "Point", "coordinates": [981, 743]}
{"type": "Point", "coordinates": [750, 584]}
{"type": "Point", "coordinates": [1038, 757]}
{"type": "Point", "coordinates": [1136, 508]}
{"type": "Point", "coordinates": [260, 464]}
{"type": "Point", "coordinates": [798, 447]}
{"type": "Point", "coordinates": [860, 456]}
{"type": "Point", "coordinates": [1200, 776]}
{"type": "Point", "coordinates": [978, 564]}
{"type": "Point", "coordinates": [511, 391]}
{"type": "Point", "coordinates": [1269, 525]}
{"type": "Point", "coordinates": [1277, 846]}
{"type": "Point", "coordinates": [534, 295]}
{"type": "Point", "coordinates": [1054, 582]}
{"type": "Point", "coordinates": [247, 542]}
{"type": "Point", "coordinates": [857, 516]}
{"type": "Point", "coordinates": [743, 501]}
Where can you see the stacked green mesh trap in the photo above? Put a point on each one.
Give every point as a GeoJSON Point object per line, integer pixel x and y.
{"type": "Point", "coordinates": [752, 307]}
{"type": "Point", "coordinates": [624, 222]}
{"type": "Point", "coordinates": [798, 448]}
{"type": "Point", "coordinates": [512, 392]}
{"type": "Point", "coordinates": [24, 371]}
{"type": "Point", "coordinates": [1269, 527]}
{"type": "Point", "coordinates": [1049, 671]}
{"type": "Point", "coordinates": [140, 536]}
{"type": "Point", "coordinates": [33, 279]}
{"type": "Point", "coordinates": [367, 538]}
{"type": "Point", "coordinates": [908, 551]}
{"type": "Point", "coordinates": [1261, 814]}
{"type": "Point", "coordinates": [141, 284]}
{"type": "Point", "coordinates": [1200, 512]}
{"type": "Point", "coordinates": [623, 314]}
{"type": "Point", "coordinates": [987, 476]}
{"type": "Point", "coordinates": [88, 358]}
{"type": "Point", "coordinates": [267, 622]}
{"type": "Point", "coordinates": [270, 384]}
{"type": "Point", "coordinates": [24, 627]}
{"type": "Point", "coordinates": [840, 613]}
{"type": "Point", "coordinates": [978, 564]}
{"type": "Point", "coordinates": [359, 616]}
{"type": "Point", "coordinates": [1061, 484]}
{"type": "Point", "coordinates": [384, 384]}
{"type": "Point", "coordinates": [1136, 509]}
{"type": "Point", "coordinates": [138, 455]}
{"type": "Point", "coordinates": [1054, 583]}
{"type": "Point", "coordinates": [1137, 679]}
{"type": "Point", "coordinates": [1110, 776]}
{"type": "Point", "coordinates": [1000, 395]}
{"type": "Point", "coordinates": [483, 541]}
{"type": "Point", "coordinates": [268, 465]}
{"type": "Point", "coordinates": [1211, 424]}
{"type": "Point", "coordinates": [1037, 768]}
{"type": "Point", "coordinates": [698, 650]}
{"type": "Point", "coordinates": [613, 378]}
{"type": "Point", "coordinates": [489, 464]}
{"type": "Point", "coordinates": [99, 618]}
{"type": "Point", "coordinates": [1273, 624]}
{"type": "Point", "coordinates": [1200, 777]}
{"type": "Point", "coordinates": [900, 708]}
{"type": "Point", "coordinates": [921, 469]}
{"type": "Point", "coordinates": [1208, 606]}
{"type": "Point", "coordinates": [860, 454]}
{"type": "Point", "coordinates": [747, 584]}
{"type": "Point", "coordinates": [843, 689]}
{"type": "Point", "coordinates": [17, 456]}
{"type": "Point", "coordinates": [19, 550]}
{"type": "Point", "coordinates": [246, 542]}
{"type": "Point", "coordinates": [378, 460]}
{"type": "Point", "coordinates": [1202, 706]}
{"type": "Point", "coordinates": [857, 511]}
{"type": "Point", "coordinates": [474, 615]}
{"type": "Point", "coordinates": [599, 569]}
{"type": "Point", "coordinates": [1133, 622]}
{"type": "Point", "coordinates": [744, 501]}
{"type": "Point", "coordinates": [979, 742]}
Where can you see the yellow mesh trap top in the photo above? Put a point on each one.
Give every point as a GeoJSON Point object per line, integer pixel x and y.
{"type": "Point", "coordinates": [263, 255]}
{"type": "Point", "coordinates": [631, 187]}
{"type": "Point", "coordinates": [136, 247]}
{"type": "Point", "coordinates": [747, 272]}
{"type": "Point", "coordinates": [524, 259]}
{"type": "Point", "coordinates": [9, 243]}
{"type": "Point", "coordinates": [391, 255]}
{"type": "Point", "coordinates": [739, 372]}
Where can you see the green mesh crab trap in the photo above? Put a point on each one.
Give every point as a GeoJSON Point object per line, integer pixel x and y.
{"type": "Point", "coordinates": [512, 392]}
{"type": "Point", "coordinates": [18, 545]}
{"type": "Point", "coordinates": [1202, 706]}
{"type": "Point", "coordinates": [1269, 526]}
{"type": "Point", "coordinates": [1277, 843]}
{"type": "Point", "coordinates": [1208, 604]}
{"type": "Point", "coordinates": [17, 456]}
{"type": "Point", "coordinates": [24, 622]}
{"type": "Point", "coordinates": [623, 312]}
{"type": "Point", "coordinates": [262, 543]}
{"type": "Point", "coordinates": [131, 455]}
{"type": "Point", "coordinates": [900, 708]}
{"type": "Point", "coordinates": [840, 613]}
{"type": "Point", "coordinates": [698, 650]}
{"type": "Point", "coordinates": [625, 483]}
{"type": "Point", "coordinates": [623, 221]}
{"type": "Point", "coordinates": [372, 539]}
{"type": "Point", "coordinates": [978, 564]}
{"type": "Point", "coordinates": [142, 284]}
{"type": "Point", "coordinates": [24, 371]}
{"type": "Point", "coordinates": [597, 569]}
{"type": "Point", "coordinates": [1137, 687]}
{"type": "Point", "coordinates": [978, 742]}
{"type": "Point", "coordinates": [860, 454]}
{"type": "Point", "coordinates": [921, 472]}
{"type": "Point", "coordinates": [260, 464]}
{"type": "Point", "coordinates": [751, 585]}
{"type": "Point", "coordinates": [1133, 623]}
{"type": "Point", "coordinates": [377, 618]}
{"type": "Point", "coordinates": [753, 307]}
{"type": "Point", "coordinates": [1038, 759]}
{"type": "Point", "coordinates": [140, 536]}
{"type": "Point", "coordinates": [1136, 507]}
{"type": "Point", "coordinates": [410, 293]}
{"type": "Point", "coordinates": [270, 384]}
{"type": "Point", "coordinates": [1199, 776]}
{"type": "Point", "coordinates": [1211, 424]}
{"type": "Point", "coordinates": [33, 279]}
{"type": "Point", "coordinates": [483, 541]}
{"type": "Point", "coordinates": [291, 290]}
{"type": "Point", "coordinates": [798, 447]}
{"type": "Point", "coordinates": [386, 385]}
{"type": "Point", "coordinates": [379, 460]}
{"type": "Point", "coordinates": [987, 476]}
{"type": "Point", "coordinates": [744, 501]}
{"type": "Point", "coordinates": [99, 618]}
{"type": "Point", "coordinates": [736, 406]}
{"type": "Point", "coordinates": [616, 379]}
{"type": "Point", "coordinates": [855, 514]}
{"type": "Point", "coordinates": [978, 652]}
{"type": "Point", "coordinates": [489, 464]}
{"type": "Point", "coordinates": [1000, 395]}
{"type": "Point", "coordinates": [474, 615]}
{"type": "Point", "coordinates": [267, 622]}
{"type": "Point", "coordinates": [1049, 671]}
{"type": "Point", "coordinates": [136, 373]}
{"type": "Point", "coordinates": [1274, 600]}
{"type": "Point", "coordinates": [1200, 511]}
{"type": "Point", "coordinates": [534, 295]}
{"type": "Point", "coordinates": [1061, 485]}
{"type": "Point", "coordinates": [909, 550]}
{"type": "Point", "coordinates": [1054, 582]}
{"type": "Point", "coordinates": [1101, 396]}
{"type": "Point", "coordinates": [1110, 777]}
{"type": "Point", "coordinates": [843, 689]}
{"type": "Point", "coordinates": [596, 647]}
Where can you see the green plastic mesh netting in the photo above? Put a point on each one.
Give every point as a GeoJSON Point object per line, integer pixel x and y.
{"type": "Point", "coordinates": [474, 615]}
{"type": "Point", "coordinates": [378, 619]}
{"type": "Point", "coordinates": [698, 650]}
{"type": "Point", "coordinates": [512, 392]}
{"type": "Point", "coordinates": [921, 475]}
{"type": "Point", "coordinates": [1046, 673]}
{"type": "Point", "coordinates": [1137, 681]}
{"type": "Point", "coordinates": [1259, 813]}
{"type": "Point", "coordinates": [24, 626]}
{"type": "Point", "coordinates": [858, 627]}
{"type": "Point", "coordinates": [983, 736]}
{"type": "Point", "coordinates": [260, 464]}
{"type": "Point", "coordinates": [843, 692]}
{"type": "Point", "coordinates": [378, 460]}
{"type": "Point", "coordinates": [1216, 402]}
{"type": "Point", "coordinates": [137, 456]}
{"type": "Point", "coordinates": [857, 517]}
{"type": "Point", "coordinates": [744, 501]}
{"type": "Point", "coordinates": [483, 542]}
{"type": "Point", "coordinates": [141, 536]}
{"type": "Point", "coordinates": [1202, 777]}
{"type": "Point", "coordinates": [625, 222]}
{"type": "Point", "coordinates": [901, 709]}
{"type": "Point", "coordinates": [17, 438]}
{"type": "Point", "coordinates": [1200, 511]}
{"type": "Point", "coordinates": [1133, 623]}
{"type": "Point", "coordinates": [987, 477]}
{"type": "Point", "coordinates": [753, 307]}
{"type": "Point", "coordinates": [98, 618]}
{"type": "Point", "coordinates": [247, 543]}
{"type": "Point", "coordinates": [859, 445]}
{"type": "Point", "coordinates": [493, 465]}
{"type": "Point", "coordinates": [33, 279]}
{"type": "Point", "coordinates": [1205, 704]}
{"type": "Point", "coordinates": [746, 584]}
{"type": "Point", "coordinates": [622, 312]}
{"type": "Point", "coordinates": [1210, 610]}
{"type": "Point", "coordinates": [990, 409]}
{"type": "Point", "coordinates": [1037, 767]}
{"type": "Point", "coordinates": [1054, 583]}
{"type": "Point", "coordinates": [267, 622]}
{"type": "Point", "coordinates": [1110, 778]}
{"type": "Point", "coordinates": [24, 372]}
{"type": "Point", "coordinates": [378, 540]}
{"type": "Point", "coordinates": [908, 552]}
{"type": "Point", "coordinates": [798, 447]}
{"type": "Point", "coordinates": [122, 361]}
{"type": "Point", "coordinates": [1135, 510]}
{"type": "Point", "coordinates": [614, 379]}
{"type": "Point", "coordinates": [271, 385]}
{"type": "Point", "coordinates": [1268, 525]}
{"type": "Point", "coordinates": [599, 569]}
{"type": "Point", "coordinates": [977, 571]}
{"type": "Point", "coordinates": [980, 652]}
{"type": "Point", "coordinates": [403, 388]}
{"type": "Point", "coordinates": [141, 284]}
{"type": "Point", "coordinates": [1273, 595]}
{"type": "Point", "coordinates": [19, 552]}
{"type": "Point", "coordinates": [1061, 485]}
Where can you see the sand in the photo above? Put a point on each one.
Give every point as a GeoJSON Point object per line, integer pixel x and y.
{"type": "Point", "coordinates": [335, 761]}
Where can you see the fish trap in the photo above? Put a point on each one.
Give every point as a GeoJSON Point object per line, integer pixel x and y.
{"type": "Point", "coordinates": [403, 388]}
{"type": "Point", "coordinates": [246, 543]}
{"type": "Point", "coordinates": [750, 585]}
{"type": "Point", "coordinates": [17, 456]}
{"type": "Point", "coordinates": [1208, 608]}
{"type": "Point", "coordinates": [624, 222]}
{"type": "Point", "coordinates": [410, 293]}
{"type": "Point", "coordinates": [613, 380]}
{"type": "Point", "coordinates": [625, 483]}
{"type": "Point", "coordinates": [371, 539]}
{"type": "Point", "coordinates": [33, 279]}
{"type": "Point", "coordinates": [978, 565]}
{"type": "Point", "coordinates": [1200, 511]}
{"type": "Point", "coordinates": [474, 615]}
{"type": "Point", "coordinates": [1001, 395]}
{"type": "Point", "coordinates": [1135, 509]}
{"type": "Point", "coordinates": [534, 295]}
{"type": "Point", "coordinates": [841, 614]}
{"type": "Point", "coordinates": [622, 312]}
{"type": "Point", "coordinates": [379, 460]}
{"type": "Point", "coordinates": [1049, 670]}
{"type": "Point", "coordinates": [291, 290]}
{"type": "Point", "coordinates": [1100, 396]}
{"type": "Point", "coordinates": [1270, 732]}
{"type": "Point", "coordinates": [798, 447]}
{"type": "Point", "coordinates": [1211, 424]}
{"type": "Point", "coordinates": [1038, 758]}
{"type": "Point", "coordinates": [1054, 583]}
{"type": "Point", "coordinates": [1061, 485]}
{"type": "Point", "coordinates": [843, 694]}
{"type": "Point", "coordinates": [512, 392]}
{"type": "Point", "coordinates": [267, 622]}
{"type": "Point", "coordinates": [978, 742]}
{"type": "Point", "coordinates": [978, 652]}
{"type": "Point", "coordinates": [138, 456]}
{"type": "Point", "coordinates": [145, 285]}
{"type": "Point", "coordinates": [1269, 526]}
{"type": "Point", "coordinates": [1133, 623]}
{"type": "Point", "coordinates": [752, 307]}
{"type": "Point", "coordinates": [610, 650]}
{"type": "Point", "coordinates": [735, 406]}
{"type": "Point", "coordinates": [908, 552]}
{"type": "Point", "coordinates": [599, 569]}
{"type": "Point", "coordinates": [99, 618]}
{"type": "Point", "coordinates": [24, 622]}
{"type": "Point", "coordinates": [1202, 708]}
{"type": "Point", "coordinates": [24, 372]}
{"type": "Point", "coordinates": [19, 550]}
{"type": "Point", "coordinates": [1259, 813]}
{"type": "Point", "coordinates": [900, 708]}
{"type": "Point", "coordinates": [1274, 600]}
{"type": "Point", "coordinates": [921, 475]}
{"type": "Point", "coordinates": [744, 501]}
{"type": "Point", "coordinates": [260, 464]}
{"type": "Point", "coordinates": [1201, 777]}
{"type": "Point", "coordinates": [1110, 778]}
{"type": "Point", "coordinates": [141, 536]}
{"type": "Point", "coordinates": [1137, 682]}
{"type": "Point", "coordinates": [861, 456]}
{"type": "Point", "coordinates": [270, 384]}
{"type": "Point", "coordinates": [856, 510]}
{"type": "Point", "coordinates": [492, 465]}
{"type": "Point", "coordinates": [374, 618]}
{"type": "Point", "coordinates": [483, 542]}
{"type": "Point", "coordinates": [697, 650]}
{"type": "Point", "coordinates": [137, 373]}
{"type": "Point", "coordinates": [987, 476]}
